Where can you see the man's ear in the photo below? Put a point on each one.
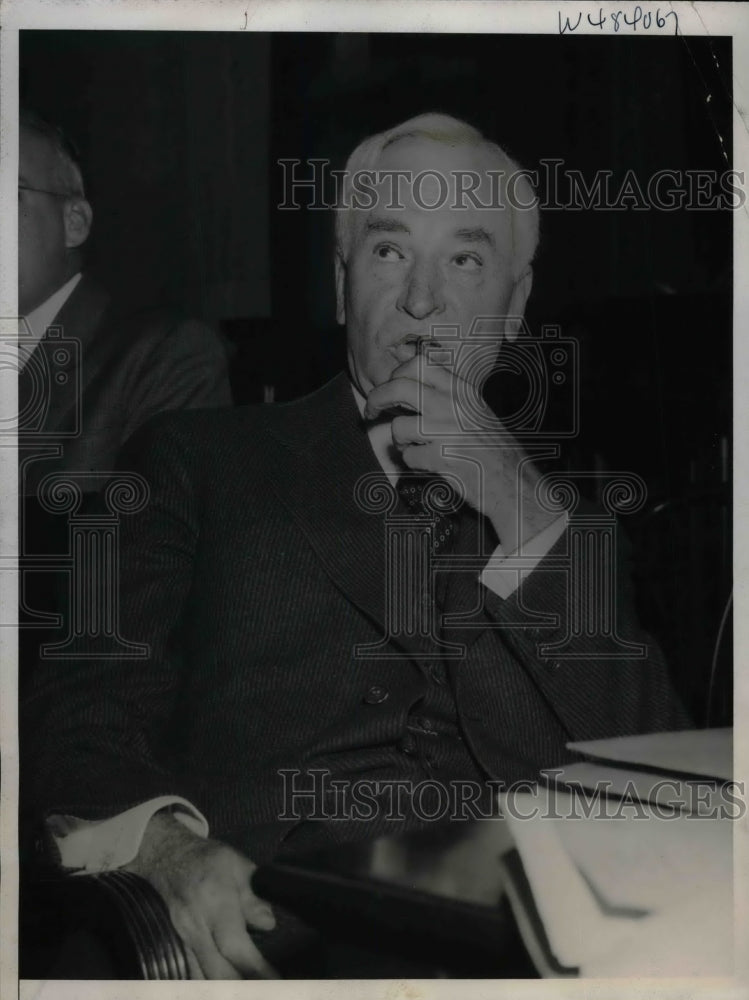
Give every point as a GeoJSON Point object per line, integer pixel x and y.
{"type": "Point", "coordinates": [520, 292]}
{"type": "Point", "coordinates": [340, 288]}
{"type": "Point", "coordinates": [78, 216]}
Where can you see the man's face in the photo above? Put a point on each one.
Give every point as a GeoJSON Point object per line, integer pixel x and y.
{"type": "Point", "coordinates": [42, 256]}
{"type": "Point", "coordinates": [411, 268]}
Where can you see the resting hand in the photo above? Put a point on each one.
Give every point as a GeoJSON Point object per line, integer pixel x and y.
{"type": "Point", "coordinates": [206, 887]}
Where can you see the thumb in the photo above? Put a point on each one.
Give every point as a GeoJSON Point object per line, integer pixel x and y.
{"type": "Point", "coordinates": [256, 911]}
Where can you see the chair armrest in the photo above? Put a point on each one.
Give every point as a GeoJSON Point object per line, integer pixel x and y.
{"type": "Point", "coordinates": [122, 912]}
{"type": "Point", "coordinates": [160, 952]}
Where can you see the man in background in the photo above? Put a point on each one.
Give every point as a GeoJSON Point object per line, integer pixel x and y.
{"type": "Point", "coordinates": [124, 368]}
{"type": "Point", "coordinates": [90, 373]}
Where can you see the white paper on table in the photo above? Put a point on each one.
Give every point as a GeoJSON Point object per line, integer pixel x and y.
{"type": "Point", "coordinates": [674, 942]}
{"type": "Point", "coordinates": [614, 893]}
{"type": "Point", "coordinates": [574, 922]}
{"type": "Point", "coordinates": [704, 752]}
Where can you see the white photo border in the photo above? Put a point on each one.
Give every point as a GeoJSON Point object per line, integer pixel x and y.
{"type": "Point", "coordinates": [438, 16]}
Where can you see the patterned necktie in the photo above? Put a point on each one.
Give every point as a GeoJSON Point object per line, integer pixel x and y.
{"type": "Point", "coordinates": [440, 508]}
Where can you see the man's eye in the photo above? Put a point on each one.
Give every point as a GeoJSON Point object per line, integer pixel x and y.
{"type": "Point", "coordinates": [386, 252]}
{"type": "Point", "coordinates": [468, 261]}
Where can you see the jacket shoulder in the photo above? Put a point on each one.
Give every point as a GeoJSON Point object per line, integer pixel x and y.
{"type": "Point", "coordinates": [239, 434]}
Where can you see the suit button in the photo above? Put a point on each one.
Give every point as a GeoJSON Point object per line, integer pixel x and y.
{"type": "Point", "coordinates": [376, 695]}
{"type": "Point", "coordinates": [407, 744]}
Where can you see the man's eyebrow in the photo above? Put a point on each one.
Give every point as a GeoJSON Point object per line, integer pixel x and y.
{"type": "Point", "coordinates": [386, 226]}
{"type": "Point", "coordinates": [475, 235]}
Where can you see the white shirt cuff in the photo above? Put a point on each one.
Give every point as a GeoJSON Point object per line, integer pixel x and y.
{"type": "Point", "coordinates": [101, 845]}
{"type": "Point", "coordinates": [503, 573]}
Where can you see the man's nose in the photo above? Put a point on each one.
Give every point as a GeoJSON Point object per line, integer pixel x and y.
{"type": "Point", "coordinates": [422, 292]}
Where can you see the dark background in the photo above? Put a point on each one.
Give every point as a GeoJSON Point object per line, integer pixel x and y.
{"type": "Point", "coordinates": [180, 134]}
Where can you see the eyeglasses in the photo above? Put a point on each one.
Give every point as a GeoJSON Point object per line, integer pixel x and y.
{"type": "Point", "coordinates": [55, 194]}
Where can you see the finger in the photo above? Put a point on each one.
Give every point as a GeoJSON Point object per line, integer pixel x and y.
{"type": "Point", "coordinates": [423, 458]}
{"type": "Point", "coordinates": [433, 426]}
{"type": "Point", "coordinates": [440, 368]}
{"type": "Point", "coordinates": [212, 963]}
{"type": "Point", "coordinates": [255, 911]}
{"type": "Point", "coordinates": [433, 370]}
{"type": "Point", "coordinates": [405, 431]}
{"type": "Point", "coordinates": [397, 392]}
{"type": "Point", "coordinates": [238, 948]}
{"type": "Point", "coordinates": [199, 942]}
{"type": "Point", "coordinates": [193, 965]}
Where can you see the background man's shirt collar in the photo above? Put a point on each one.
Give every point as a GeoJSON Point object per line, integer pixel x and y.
{"type": "Point", "coordinates": [40, 319]}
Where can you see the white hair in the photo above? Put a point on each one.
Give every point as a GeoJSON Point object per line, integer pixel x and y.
{"type": "Point", "coordinates": [524, 222]}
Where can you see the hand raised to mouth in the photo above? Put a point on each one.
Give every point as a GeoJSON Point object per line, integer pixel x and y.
{"type": "Point", "coordinates": [432, 435]}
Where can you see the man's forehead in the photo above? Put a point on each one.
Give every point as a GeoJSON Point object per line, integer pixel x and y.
{"type": "Point", "coordinates": [403, 212]}
{"type": "Point", "coordinates": [477, 230]}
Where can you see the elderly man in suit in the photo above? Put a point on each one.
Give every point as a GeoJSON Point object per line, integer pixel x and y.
{"type": "Point", "coordinates": [261, 578]}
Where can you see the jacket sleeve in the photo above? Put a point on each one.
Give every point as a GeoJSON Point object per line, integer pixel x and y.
{"type": "Point", "coordinates": [94, 722]}
{"type": "Point", "coordinates": [177, 365]}
{"type": "Point", "coordinates": [600, 672]}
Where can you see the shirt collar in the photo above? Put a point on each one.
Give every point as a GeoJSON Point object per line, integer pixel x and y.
{"type": "Point", "coordinates": [381, 439]}
{"type": "Point", "coordinates": [40, 319]}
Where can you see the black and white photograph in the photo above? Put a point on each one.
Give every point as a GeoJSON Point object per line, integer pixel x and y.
{"type": "Point", "coordinates": [371, 391]}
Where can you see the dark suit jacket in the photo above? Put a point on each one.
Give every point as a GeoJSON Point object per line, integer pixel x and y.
{"type": "Point", "coordinates": [99, 374]}
{"type": "Point", "coordinates": [252, 575]}
{"type": "Point", "coordinates": [96, 377]}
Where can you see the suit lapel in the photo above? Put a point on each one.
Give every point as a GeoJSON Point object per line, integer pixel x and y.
{"type": "Point", "coordinates": [324, 462]}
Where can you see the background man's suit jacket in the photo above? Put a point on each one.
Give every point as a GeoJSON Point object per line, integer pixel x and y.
{"type": "Point", "coordinates": [125, 369]}
{"type": "Point", "coordinates": [251, 576]}
{"type": "Point", "coordinates": [78, 404]}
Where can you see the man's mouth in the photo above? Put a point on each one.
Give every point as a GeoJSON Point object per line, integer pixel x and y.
{"type": "Point", "coordinates": [411, 345]}
{"type": "Point", "coordinates": [404, 352]}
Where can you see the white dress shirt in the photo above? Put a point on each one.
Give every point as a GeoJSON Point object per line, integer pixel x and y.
{"type": "Point", "coordinates": [101, 845]}
{"type": "Point", "coordinates": [31, 328]}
